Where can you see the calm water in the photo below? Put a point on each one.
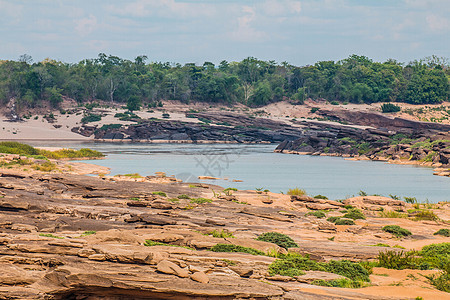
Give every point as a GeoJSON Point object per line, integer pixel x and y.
{"type": "Point", "coordinates": [258, 167]}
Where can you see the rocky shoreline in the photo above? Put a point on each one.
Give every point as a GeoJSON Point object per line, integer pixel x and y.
{"type": "Point", "coordinates": [64, 235]}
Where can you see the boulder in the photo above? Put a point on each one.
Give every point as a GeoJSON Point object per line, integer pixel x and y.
{"type": "Point", "coordinates": [169, 267]}
{"type": "Point", "coordinates": [200, 277]}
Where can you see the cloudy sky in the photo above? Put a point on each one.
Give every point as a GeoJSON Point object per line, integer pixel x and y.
{"type": "Point", "coordinates": [297, 31]}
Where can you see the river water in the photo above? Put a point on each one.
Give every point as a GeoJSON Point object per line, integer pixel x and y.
{"type": "Point", "coordinates": [258, 167]}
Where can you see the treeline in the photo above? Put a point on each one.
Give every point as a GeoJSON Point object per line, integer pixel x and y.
{"type": "Point", "coordinates": [253, 82]}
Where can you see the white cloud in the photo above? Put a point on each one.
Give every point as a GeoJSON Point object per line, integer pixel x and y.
{"type": "Point", "coordinates": [437, 23]}
{"type": "Point", "coordinates": [143, 8]}
{"type": "Point", "coordinates": [245, 32]}
{"type": "Point", "coordinates": [86, 25]}
{"type": "Point", "coordinates": [12, 11]}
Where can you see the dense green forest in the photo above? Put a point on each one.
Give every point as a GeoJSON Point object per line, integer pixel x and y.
{"type": "Point", "coordinates": [253, 82]}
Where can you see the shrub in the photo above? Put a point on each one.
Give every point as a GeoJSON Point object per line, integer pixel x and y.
{"type": "Point", "coordinates": [235, 248]}
{"type": "Point", "coordinates": [444, 232]}
{"type": "Point", "coordinates": [410, 200]}
{"type": "Point", "coordinates": [200, 200]}
{"type": "Point", "coordinates": [150, 243]}
{"type": "Point", "coordinates": [389, 108]}
{"type": "Point", "coordinates": [320, 197]}
{"type": "Point", "coordinates": [221, 234]}
{"type": "Point", "coordinates": [398, 260]}
{"type": "Point", "coordinates": [348, 269]}
{"type": "Point", "coordinates": [354, 214]}
{"type": "Point", "coordinates": [228, 191]}
{"type": "Point", "coordinates": [18, 148]}
{"type": "Point", "coordinates": [50, 235]}
{"type": "Point", "coordinates": [425, 215]}
{"type": "Point", "coordinates": [440, 251]}
{"type": "Point", "coordinates": [397, 230]}
{"type": "Point", "coordinates": [279, 239]}
{"type": "Point", "coordinates": [392, 214]}
{"type": "Point", "coordinates": [344, 222]}
{"type": "Point", "coordinates": [160, 194]}
{"type": "Point", "coordinates": [343, 283]}
{"type": "Point", "coordinates": [317, 214]}
{"type": "Point", "coordinates": [333, 219]}
{"type": "Point", "coordinates": [296, 192]}
{"type": "Point", "coordinates": [91, 118]}
{"type": "Point", "coordinates": [183, 196]}
{"type": "Point", "coordinates": [293, 264]}
{"type": "Point", "coordinates": [314, 109]}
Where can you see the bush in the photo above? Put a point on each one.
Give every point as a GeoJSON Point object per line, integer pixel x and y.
{"type": "Point", "coordinates": [333, 219]}
{"type": "Point", "coordinates": [389, 108]}
{"type": "Point", "coordinates": [200, 200]}
{"type": "Point", "coordinates": [425, 215]}
{"type": "Point", "coordinates": [354, 214]}
{"type": "Point", "coordinates": [18, 148]}
{"type": "Point", "coordinates": [295, 265]}
{"type": "Point", "coordinates": [235, 248]}
{"type": "Point", "coordinates": [91, 118]}
{"type": "Point", "coordinates": [397, 230]}
{"type": "Point", "coordinates": [344, 222]}
{"type": "Point", "coordinates": [444, 232]}
{"type": "Point", "coordinates": [183, 196]}
{"type": "Point", "coordinates": [348, 269]}
{"type": "Point", "coordinates": [160, 194]}
{"type": "Point", "coordinates": [279, 239]}
{"type": "Point", "coordinates": [321, 197]}
{"type": "Point", "coordinates": [221, 234]}
{"type": "Point", "coordinates": [317, 214]}
{"type": "Point", "coordinates": [398, 260]}
{"type": "Point", "coordinates": [296, 192]}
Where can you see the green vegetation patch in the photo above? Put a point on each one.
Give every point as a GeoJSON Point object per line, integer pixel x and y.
{"type": "Point", "coordinates": [279, 239]}
{"type": "Point", "coordinates": [296, 192]}
{"type": "Point", "coordinates": [397, 230]}
{"type": "Point", "coordinates": [295, 265]}
{"type": "Point", "coordinates": [318, 214]}
{"type": "Point", "coordinates": [200, 200]}
{"type": "Point", "coordinates": [160, 194]}
{"type": "Point", "coordinates": [354, 214]}
{"type": "Point", "coordinates": [221, 234]}
{"type": "Point", "coordinates": [235, 248]}
{"type": "Point", "coordinates": [443, 232]}
{"type": "Point", "coordinates": [150, 243]}
{"type": "Point", "coordinates": [50, 235]}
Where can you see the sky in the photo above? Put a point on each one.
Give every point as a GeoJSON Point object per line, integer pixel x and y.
{"type": "Point", "coordinates": [299, 32]}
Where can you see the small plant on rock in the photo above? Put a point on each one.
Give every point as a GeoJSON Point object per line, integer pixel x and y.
{"type": "Point", "coordinates": [279, 239]}
{"type": "Point", "coordinates": [443, 232]}
{"type": "Point", "coordinates": [296, 192]}
{"type": "Point", "coordinates": [318, 214]}
{"type": "Point", "coordinates": [397, 230]}
{"type": "Point", "coordinates": [160, 194]}
{"type": "Point", "coordinates": [344, 222]}
{"type": "Point", "coordinates": [235, 248]}
{"type": "Point", "coordinates": [354, 214]}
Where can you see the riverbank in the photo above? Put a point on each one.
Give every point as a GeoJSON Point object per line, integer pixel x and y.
{"type": "Point", "coordinates": [64, 234]}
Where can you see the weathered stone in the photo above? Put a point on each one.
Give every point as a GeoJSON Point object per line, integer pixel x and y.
{"type": "Point", "coordinates": [169, 267]}
{"type": "Point", "coordinates": [200, 277]}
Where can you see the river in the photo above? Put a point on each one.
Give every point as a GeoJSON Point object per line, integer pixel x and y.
{"type": "Point", "coordinates": [258, 167]}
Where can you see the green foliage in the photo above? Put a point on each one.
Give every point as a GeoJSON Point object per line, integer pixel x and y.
{"type": "Point", "coordinates": [396, 230]}
{"type": "Point", "coordinates": [160, 194]}
{"type": "Point", "coordinates": [320, 197]}
{"type": "Point", "coordinates": [296, 192]}
{"type": "Point", "coordinates": [183, 196]}
{"type": "Point", "coordinates": [344, 222]}
{"type": "Point", "coordinates": [91, 118]}
{"type": "Point", "coordinates": [229, 191]}
{"type": "Point", "coordinates": [354, 214]}
{"type": "Point", "coordinates": [110, 126]}
{"type": "Point", "coordinates": [392, 214]}
{"type": "Point", "coordinates": [251, 81]}
{"type": "Point", "coordinates": [89, 232]}
{"type": "Point", "coordinates": [362, 193]}
{"type": "Point", "coordinates": [279, 239]}
{"type": "Point", "coordinates": [295, 265]}
{"type": "Point", "coordinates": [221, 234]}
{"type": "Point", "coordinates": [50, 235]}
{"type": "Point", "coordinates": [133, 175]}
{"type": "Point", "coordinates": [333, 219]}
{"type": "Point", "coordinates": [410, 200]}
{"type": "Point", "coordinates": [150, 243]}
{"type": "Point", "coordinates": [342, 283]}
{"type": "Point", "coordinates": [18, 148]}
{"type": "Point", "coordinates": [443, 232]}
{"type": "Point", "coordinates": [317, 214]}
{"type": "Point", "coordinates": [200, 200]}
{"type": "Point", "coordinates": [398, 260]}
{"type": "Point", "coordinates": [389, 108]}
{"type": "Point", "coordinates": [235, 248]}
{"type": "Point", "coordinates": [425, 215]}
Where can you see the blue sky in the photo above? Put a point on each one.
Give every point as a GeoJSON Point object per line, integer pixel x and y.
{"type": "Point", "coordinates": [299, 32]}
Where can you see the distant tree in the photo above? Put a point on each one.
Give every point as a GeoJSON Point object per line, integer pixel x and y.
{"type": "Point", "coordinates": [134, 103]}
